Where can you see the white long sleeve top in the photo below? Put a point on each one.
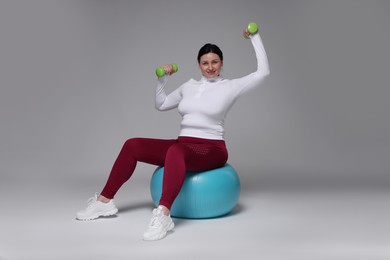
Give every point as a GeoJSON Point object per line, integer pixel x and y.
{"type": "Point", "coordinates": [204, 104]}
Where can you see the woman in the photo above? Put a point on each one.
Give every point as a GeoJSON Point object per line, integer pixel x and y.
{"type": "Point", "coordinates": [200, 145]}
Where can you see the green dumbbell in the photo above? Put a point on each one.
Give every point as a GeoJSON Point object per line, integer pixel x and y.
{"type": "Point", "coordinates": [160, 71]}
{"type": "Point", "coordinates": [252, 28]}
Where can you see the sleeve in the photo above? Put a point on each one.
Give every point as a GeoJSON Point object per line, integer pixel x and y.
{"type": "Point", "coordinates": [253, 80]}
{"type": "Point", "coordinates": [164, 102]}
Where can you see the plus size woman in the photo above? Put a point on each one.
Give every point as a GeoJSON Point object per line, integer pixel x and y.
{"type": "Point", "coordinates": [200, 145]}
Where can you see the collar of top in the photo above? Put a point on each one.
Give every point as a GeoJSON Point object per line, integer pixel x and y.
{"type": "Point", "coordinates": [211, 80]}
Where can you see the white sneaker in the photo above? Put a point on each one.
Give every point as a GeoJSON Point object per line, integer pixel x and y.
{"type": "Point", "coordinates": [159, 225]}
{"type": "Point", "coordinates": [97, 209]}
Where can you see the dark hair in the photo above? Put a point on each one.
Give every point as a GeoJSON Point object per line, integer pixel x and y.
{"type": "Point", "coordinates": [207, 48]}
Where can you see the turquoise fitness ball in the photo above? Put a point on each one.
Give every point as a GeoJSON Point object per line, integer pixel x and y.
{"type": "Point", "coordinates": [205, 194]}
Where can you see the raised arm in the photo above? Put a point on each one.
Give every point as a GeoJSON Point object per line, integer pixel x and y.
{"type": "Point", "coordinates": [253, 80]}
{"type": "Point", "coordinates": [163, 101]}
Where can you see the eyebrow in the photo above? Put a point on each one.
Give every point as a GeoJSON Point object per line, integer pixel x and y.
{"type": "Point", "coordinates": [211, 60]}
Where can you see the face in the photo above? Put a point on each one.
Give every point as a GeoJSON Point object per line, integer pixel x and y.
{"type": "Point", "coordinates": [210, 64]}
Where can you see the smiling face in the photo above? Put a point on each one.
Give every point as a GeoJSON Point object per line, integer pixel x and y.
{"type": "Point", "coordinates": [210, 64]}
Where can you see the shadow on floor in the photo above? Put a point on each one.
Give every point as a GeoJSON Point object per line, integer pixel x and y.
{"type": "Point", "coordinates": [140, 205]}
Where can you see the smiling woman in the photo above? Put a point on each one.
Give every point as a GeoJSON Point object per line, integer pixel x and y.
{"type": "Point", "coordinates": [200, 145]}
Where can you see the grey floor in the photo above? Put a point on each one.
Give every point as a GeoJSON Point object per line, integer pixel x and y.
{"type": "Point", "coordinates": [37, 222]}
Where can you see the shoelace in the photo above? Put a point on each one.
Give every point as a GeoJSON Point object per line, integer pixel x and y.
{"type": "Point", "coordinates": [154, 222]}
{"type": "Point", "coordinates": [91, 201]}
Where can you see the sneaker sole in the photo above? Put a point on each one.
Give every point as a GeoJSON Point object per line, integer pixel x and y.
{"type": "Point", "coordinates": [104, 214]}
{"type": "Point", "coordinates": [161, 235]}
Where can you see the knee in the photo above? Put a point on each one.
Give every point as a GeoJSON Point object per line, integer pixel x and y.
{"type": "Point", "coordinates": [176, 150]}
{"type": "Point", "coordinates": [130, 144]}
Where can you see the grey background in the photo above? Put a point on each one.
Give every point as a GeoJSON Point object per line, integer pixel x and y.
{"type": "Point", "coordinates": [77, 79]}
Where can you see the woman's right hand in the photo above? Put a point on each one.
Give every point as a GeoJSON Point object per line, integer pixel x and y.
{"type": "Point", "coordinates": [168, 68]}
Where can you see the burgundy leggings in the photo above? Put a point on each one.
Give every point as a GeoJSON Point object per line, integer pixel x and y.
{"type": "Point", "coordinates": [176, 155]}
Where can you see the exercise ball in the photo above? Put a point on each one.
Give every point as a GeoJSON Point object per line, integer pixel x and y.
{"type": "Point", "coordinates": [205, 194]}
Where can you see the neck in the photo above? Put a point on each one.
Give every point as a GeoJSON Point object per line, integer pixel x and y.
{"type": "Point", "coordinates": [214, 79]}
